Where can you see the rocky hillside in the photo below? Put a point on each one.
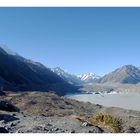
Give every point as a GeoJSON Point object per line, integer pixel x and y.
{"type": "Point", "coordinates": [127, 74]}
{"type": "Point", "coordinates": [18, 73]}
{"type": "Point", "coordinates": [36, 112]}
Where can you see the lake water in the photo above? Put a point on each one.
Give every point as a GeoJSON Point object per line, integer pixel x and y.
{"type": "Point", "coordinates": [126, 100]}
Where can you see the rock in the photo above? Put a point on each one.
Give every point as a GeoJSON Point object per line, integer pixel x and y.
{"type": "Point", "coordinates": [48, 124]}
{"type": "Point", "coordinates": [39, 128]}
{"type": "Point", "coordinates": [100, 106]}
{"type": "Point", "coordinates": [13, 114]}
{"type": "Point", "coordinates": [110, 90]}
{"type": "Point", "coordinates": [56, 129]}
{"type": "Point", "coordinates": [73, 131]}
{"type": "Point", "coordinates": [96, 93]}
{"type": "Point", "coordinates": [7, 118]}
{"type": "Point", "coordinates": [3, 130]}
{"type": "Point", "coordinates": [86, 124]}
{"type": "Point", "coordinates": [6, 106]}
{"type": "Point", "coordinates": [96, 130]}
{"type": "Point", "coordinates": [19, 131]}
{"type": "Point", "coordinates": [62, 131]}
{"type": "Point", "coordinates": [14, 123]}
{"type": "Point", "coordinates": [43, 115]}
{"type": "Point", "coordinates": [130, 130]}
{"type": "Point", "coordinates": [1, 122]}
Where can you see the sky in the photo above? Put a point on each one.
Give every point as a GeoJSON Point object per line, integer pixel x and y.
{"type": "Point", "coordinates": [79, 40]}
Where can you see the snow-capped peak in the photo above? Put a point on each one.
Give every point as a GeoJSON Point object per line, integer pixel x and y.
{"type": "Point", "coordinates": [88, 76]}
{"type": "Point", "coordinates": [71, 78]}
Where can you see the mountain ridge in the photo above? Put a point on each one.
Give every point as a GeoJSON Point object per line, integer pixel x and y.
{"type": "Point", "coordinates": [127, 74]}
{"type": "Point", "coordinates": [70, 78]}
{"type": "Point", "coordinates": [19, 73]}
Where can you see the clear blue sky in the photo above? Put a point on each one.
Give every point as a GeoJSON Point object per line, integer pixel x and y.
{"type": "Point", "coordinates": [77, 39]}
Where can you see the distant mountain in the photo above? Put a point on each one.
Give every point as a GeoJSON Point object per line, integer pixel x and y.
{"type": "Point", "coordinates": [127, 74]}
{"type": "Point", "coordinates": [88, 77]}
{"type": "Point", "coordinates": [70, 78]}
{"type": "Point", "coordinates": [18, 73]}
{"type": "Point", "coordinates": [75, 79]}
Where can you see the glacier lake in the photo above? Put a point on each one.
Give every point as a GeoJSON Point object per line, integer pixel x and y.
{"type": "Point", "coordinates": [122, 100]}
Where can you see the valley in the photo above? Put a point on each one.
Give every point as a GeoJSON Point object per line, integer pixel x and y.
{"type": "Point", "coordinates": [38, 99]}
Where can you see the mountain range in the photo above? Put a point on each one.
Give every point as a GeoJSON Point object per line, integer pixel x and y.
{"type": "Point", "coordinates": [127, 74]}
{"type": "Point", "coordinates": [88, 77]}
{"type": "Point", "coordinates": [75, 79]}
{"type": "Point", "coordinates": [21, 74]}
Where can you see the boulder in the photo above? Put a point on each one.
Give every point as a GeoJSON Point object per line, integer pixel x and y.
{"type": "Point", "coordinates": [84, 124]}
{"type": "Point", "coordinates": [7, 118]}
{"type": "Point", "coordinates": [3, 130]}
{"type": "Point", "coordinates": [96, 129]}
{"type": "Point", "coordinates": [6, 106]}
{"type": "Point", "coordinates": [130, 130]}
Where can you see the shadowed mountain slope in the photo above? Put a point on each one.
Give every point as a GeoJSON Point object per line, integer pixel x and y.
{"type": "Point", "coordinates": [70, 78]}
{"type": "Point", "coordinates": [18, 73]}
